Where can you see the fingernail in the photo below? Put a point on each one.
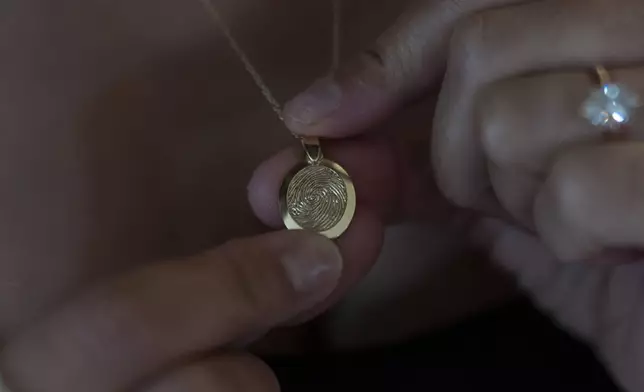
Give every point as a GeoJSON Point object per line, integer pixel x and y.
{"type": "Point", "coordinates": [316, 103]}
{"type": "Point", "coordinates": [313, 264]}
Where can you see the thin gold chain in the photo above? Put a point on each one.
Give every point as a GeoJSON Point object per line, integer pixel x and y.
{"type": "Point", "coordinates": [217, 17]}
{"type": "Point", "coordinates": [337, 35]}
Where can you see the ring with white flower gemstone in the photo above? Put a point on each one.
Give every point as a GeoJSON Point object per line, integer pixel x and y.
{"type": "Point", "coordinates": [611, 105]}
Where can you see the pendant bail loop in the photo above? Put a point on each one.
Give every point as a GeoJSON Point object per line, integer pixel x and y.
{"type": "Point", "coordinates": [312, 149]}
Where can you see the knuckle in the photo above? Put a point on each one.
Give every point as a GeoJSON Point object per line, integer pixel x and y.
{"type": "Point", "coordinates": [496, 108]}
{"type": "Point", "coordinates": [570, 182]}
{"type": "Point", "coordinates": [388, 64]}
{"type": "Point", "coordinates": [466, 44]}
{"type": "Point", "coordinates": [586, 180]}
{"type": "Point", "coordinates": [253, 279]}
{"type": "Point", "coordinates": [371, 68]}
{"type": "Point", "coordinates": [398, 61]}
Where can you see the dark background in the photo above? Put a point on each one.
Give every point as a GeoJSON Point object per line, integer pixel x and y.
{"type": "Point", "coordinates": [514, 348]}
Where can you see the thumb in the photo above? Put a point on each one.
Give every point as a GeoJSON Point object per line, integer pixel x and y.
{"type": "Point", "coordinates": [304, 265]}
{"type": "Point", "coordinates": [146, 320]}
{"type": "Point", "coordinates": [408, 58]}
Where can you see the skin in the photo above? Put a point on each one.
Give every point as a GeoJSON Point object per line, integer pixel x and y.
{"type": "Point", "coordinates": [182, 315]}
{"type": "Point", "coordinates": [87, 332]}
{"type": "Point", "coordinates": [113, 136]}
{"type": "Point", "coordinates": [508, 142]}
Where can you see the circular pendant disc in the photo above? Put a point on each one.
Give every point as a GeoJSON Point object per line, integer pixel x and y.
{"type": "Point", "coordinates": [318, 197]}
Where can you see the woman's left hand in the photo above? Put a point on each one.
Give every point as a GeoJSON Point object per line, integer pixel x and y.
{"type": "Point", "coordinates": [173, 326]}
{"type": "Point", "coordinates": [514, 75]}
{"type": "Point", "coordinates": [116, 170]}
{"type": "Point", "coordinates": [509, 141]}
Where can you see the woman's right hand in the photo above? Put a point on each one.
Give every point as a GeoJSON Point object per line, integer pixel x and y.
{"type": "Point", "coordinates": [514, 147]}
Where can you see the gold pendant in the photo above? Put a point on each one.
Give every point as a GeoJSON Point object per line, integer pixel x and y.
{"type": "Point", "coordinates": [318, 195]}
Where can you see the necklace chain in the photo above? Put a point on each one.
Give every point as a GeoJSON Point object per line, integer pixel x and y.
{"type": "Point", "coordinates": [337, 35]}
{"type": "Point", "coordinates": [217, 17]}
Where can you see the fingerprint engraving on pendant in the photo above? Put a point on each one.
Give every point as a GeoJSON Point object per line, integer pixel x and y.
{"type": "Point", "coordinates": [317, 198]}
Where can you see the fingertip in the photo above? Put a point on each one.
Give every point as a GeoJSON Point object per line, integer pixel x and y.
{"type": "Point", "coordinates": [315, 104]}
{"type": "Point", "coordinates": [342, 105]}
{"type": "Point", "coordinates": [264, 187]}
{"type": "Point", "coordinates": [360, 247]}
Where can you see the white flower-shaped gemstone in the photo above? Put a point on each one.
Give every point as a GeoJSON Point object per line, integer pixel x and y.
{"type": "Point", "coordinates": [610, 107]}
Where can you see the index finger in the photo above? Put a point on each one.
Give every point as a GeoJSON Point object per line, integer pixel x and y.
{"type": "Point", "coordinates": [407, 59]}
{"type": "Point", "coordinates": [138, 324]}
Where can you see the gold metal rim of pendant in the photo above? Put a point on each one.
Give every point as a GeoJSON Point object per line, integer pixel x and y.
{"type": "Point", "coordinates": [319, 197]}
